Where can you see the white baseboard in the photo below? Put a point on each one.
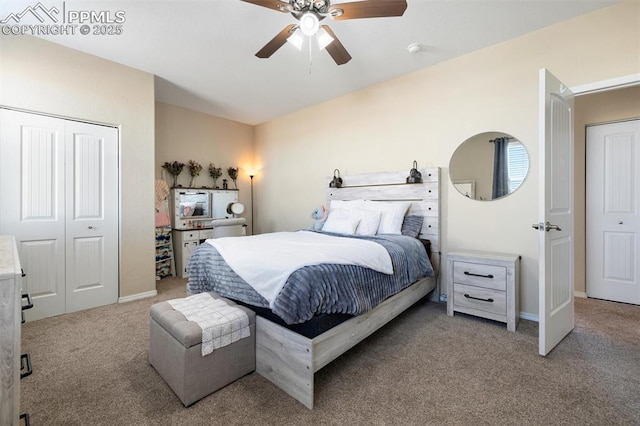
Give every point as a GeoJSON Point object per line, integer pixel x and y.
{"type": "Point", "coordinates": [138, 296]}
{"type": "Point", "coordinates": [534, 317]}
{"type": "Point", "coordinates": [528, 316]}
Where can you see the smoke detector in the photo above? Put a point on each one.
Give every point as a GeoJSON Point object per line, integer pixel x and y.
{"type": "Point", "coordinates": [414, 48]}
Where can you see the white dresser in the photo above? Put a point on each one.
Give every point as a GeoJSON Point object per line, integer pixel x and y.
{"type": "Point", "coordinates": [185, 242]}
{"type": "Point", "coordinates": [10, 323]}
{"type": "Point", "coordinates": [484, 284]}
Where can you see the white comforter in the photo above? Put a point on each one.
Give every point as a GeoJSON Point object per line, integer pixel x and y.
{"type": "Point", "coordinates": [265, 261]}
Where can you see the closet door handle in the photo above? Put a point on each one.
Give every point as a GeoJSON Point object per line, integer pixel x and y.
{"type": "Point", "coordinates": [477, 275]}
{"type": "Point", "coordinates": [478, 298]}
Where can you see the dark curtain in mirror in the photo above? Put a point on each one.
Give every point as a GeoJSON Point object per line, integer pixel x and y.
{"type": "Point", "coordinates": [500, 168]}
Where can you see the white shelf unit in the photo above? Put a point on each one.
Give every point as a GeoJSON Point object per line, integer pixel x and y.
{"type": "Point", "coordinates": [165, 262]}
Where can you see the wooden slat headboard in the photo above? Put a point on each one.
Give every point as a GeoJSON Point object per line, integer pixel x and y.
{"type": "Point", "coordinates": [392, 186]}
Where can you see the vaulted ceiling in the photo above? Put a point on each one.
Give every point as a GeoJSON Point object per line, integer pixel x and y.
{"type": "Point", "coordinates": [202, 52]}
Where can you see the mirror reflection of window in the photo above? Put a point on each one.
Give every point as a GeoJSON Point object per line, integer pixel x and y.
{"type": "Point", "coordinates": [518, 163]}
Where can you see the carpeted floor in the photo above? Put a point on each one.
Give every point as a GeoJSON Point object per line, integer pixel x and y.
{"type": "Point", "coordinates": [424, 368]}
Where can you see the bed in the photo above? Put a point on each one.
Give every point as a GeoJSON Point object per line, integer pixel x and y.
{"type": "Point", "coordinates": [288, 355]}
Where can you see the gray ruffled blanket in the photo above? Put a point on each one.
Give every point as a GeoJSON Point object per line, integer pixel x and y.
{"type": "Point", "coordinates": [317, 289]}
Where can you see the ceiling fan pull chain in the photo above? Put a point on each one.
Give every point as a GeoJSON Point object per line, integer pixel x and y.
{"type": "Point", "coordinates": [310, 59]}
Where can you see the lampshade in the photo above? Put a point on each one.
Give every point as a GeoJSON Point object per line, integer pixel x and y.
{"type": "Point", "coordinates": [296, 39]}
{"type": "Point", "coordinates": [324, 39]}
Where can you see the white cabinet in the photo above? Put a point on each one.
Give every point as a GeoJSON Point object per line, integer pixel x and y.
{"type": "Point", "coordinates": [10, 323]}
{"type": "Point", "coordinates": [184, 242]}
{"type": "Point", "coordinates": [484, 284]}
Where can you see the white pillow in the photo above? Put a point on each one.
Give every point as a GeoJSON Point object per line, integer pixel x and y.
{"type": "Point", "coordinates": [369, 222]}
{"type": "Point", "coordinates": [340, 226]}
{"type": "Point", "coordinates": [344, 214]}
{"type": "Point", "coordinates": [392, 215]}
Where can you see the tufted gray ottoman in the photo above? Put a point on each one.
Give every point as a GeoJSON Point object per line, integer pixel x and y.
{"type": "Point", "coordinates": [175, 351]}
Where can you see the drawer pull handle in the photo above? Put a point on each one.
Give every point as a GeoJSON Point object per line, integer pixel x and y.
{"type": "Point", "coordinates": [25, 358]}
{"type": "Point", "coordinates": [478, 275]}
{"type": "Point", "coordinates": [478, 298]}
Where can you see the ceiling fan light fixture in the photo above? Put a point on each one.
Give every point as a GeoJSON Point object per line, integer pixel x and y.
{"type": "Point", "coordinates": [296, 39]}
{"type": "Point", "coordinates": [324, 39]}
{"type": "Point", "coordinates": [309, 24]}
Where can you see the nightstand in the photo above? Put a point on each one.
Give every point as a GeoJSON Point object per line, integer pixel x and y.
{"type": "Point", "coordinates": [484, 284]}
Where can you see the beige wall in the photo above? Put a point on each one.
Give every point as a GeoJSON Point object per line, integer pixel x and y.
{"type": "Point", "coordinates": [424, 116]}
{"type": "Point", "coordinates": [183, 135]}
{"type": "Point", "coordinates": [596, 108]}
{"type": "Point", "coordinates": [44, 77]}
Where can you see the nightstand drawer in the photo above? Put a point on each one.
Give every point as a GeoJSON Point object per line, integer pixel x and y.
{"type": "Point", "coordinates": [475, 274]}
{"type": "Point", "coordinates": [482, 299]}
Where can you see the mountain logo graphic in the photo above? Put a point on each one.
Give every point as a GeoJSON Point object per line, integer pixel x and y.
{"type": "Point", "coordinates": [38, 10]}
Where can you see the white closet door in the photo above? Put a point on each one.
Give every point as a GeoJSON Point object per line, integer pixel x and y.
{"type": "Point", "coordinates": [613, 211]}
{"type": "Point", "coordinates": [59, 197]}
{"type": "Point", "coordinates": [92, 215]}
{"type": "Point", "coordinates": [32, 199]}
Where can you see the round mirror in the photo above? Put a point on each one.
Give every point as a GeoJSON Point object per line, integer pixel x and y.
{"type": "Point", "coordinates": [489, 166]}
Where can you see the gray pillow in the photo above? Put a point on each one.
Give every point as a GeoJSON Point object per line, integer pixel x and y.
{"type": "Point", "coordinates": [412, 225]}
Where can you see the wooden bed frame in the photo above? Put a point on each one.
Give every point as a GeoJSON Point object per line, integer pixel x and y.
{"type": "Point", "coordinates": [290, 360]}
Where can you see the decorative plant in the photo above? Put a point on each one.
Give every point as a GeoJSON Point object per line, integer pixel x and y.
{"type": "Point", "coordinates": [174, 169]}
{"type": "Point", "coordinates": [194, 170]}
{"type": "Point", "coordinates": [215, 173]}
{"type": "Point", "coordinates": [233, 174]}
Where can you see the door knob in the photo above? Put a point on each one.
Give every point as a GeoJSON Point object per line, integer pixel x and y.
{"type": "Point", "coordinates": [545, 226]}
{"type": "Point", "coordinates": [620, 223]}
{"type": "Point", "coordinates": [90, 227]}
{"type": "Point", "coordinates": [548, 227]}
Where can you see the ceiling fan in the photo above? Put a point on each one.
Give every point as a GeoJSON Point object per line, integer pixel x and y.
{"type": "Point", "coordinates": [309, 13]}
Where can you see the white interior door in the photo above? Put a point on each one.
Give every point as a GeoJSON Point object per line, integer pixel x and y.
{"type": "Point", "coordinates": [59, 197]}
{"type": "Point", "coordinates": [32, 199]}
{"type": "Point", "coordinates": [92, 215]}
{"type": "Point", "coordinates": [556, 313]}
{"type": "Point", "coordinates": [613, 211]}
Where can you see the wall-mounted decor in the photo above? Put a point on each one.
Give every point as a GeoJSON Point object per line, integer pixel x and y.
{"type": "Point", "coordinates": [489, 166]}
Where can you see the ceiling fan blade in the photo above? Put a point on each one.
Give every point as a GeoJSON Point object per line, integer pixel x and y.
{"type": "Point", "coordinates": [276, 42]}
{"type": "Point", "coordinates": [369, 9]}
{"type": "Point", "coordinates": [280, 6]}
{"type": "Point", "coordinates": [336, 49]}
